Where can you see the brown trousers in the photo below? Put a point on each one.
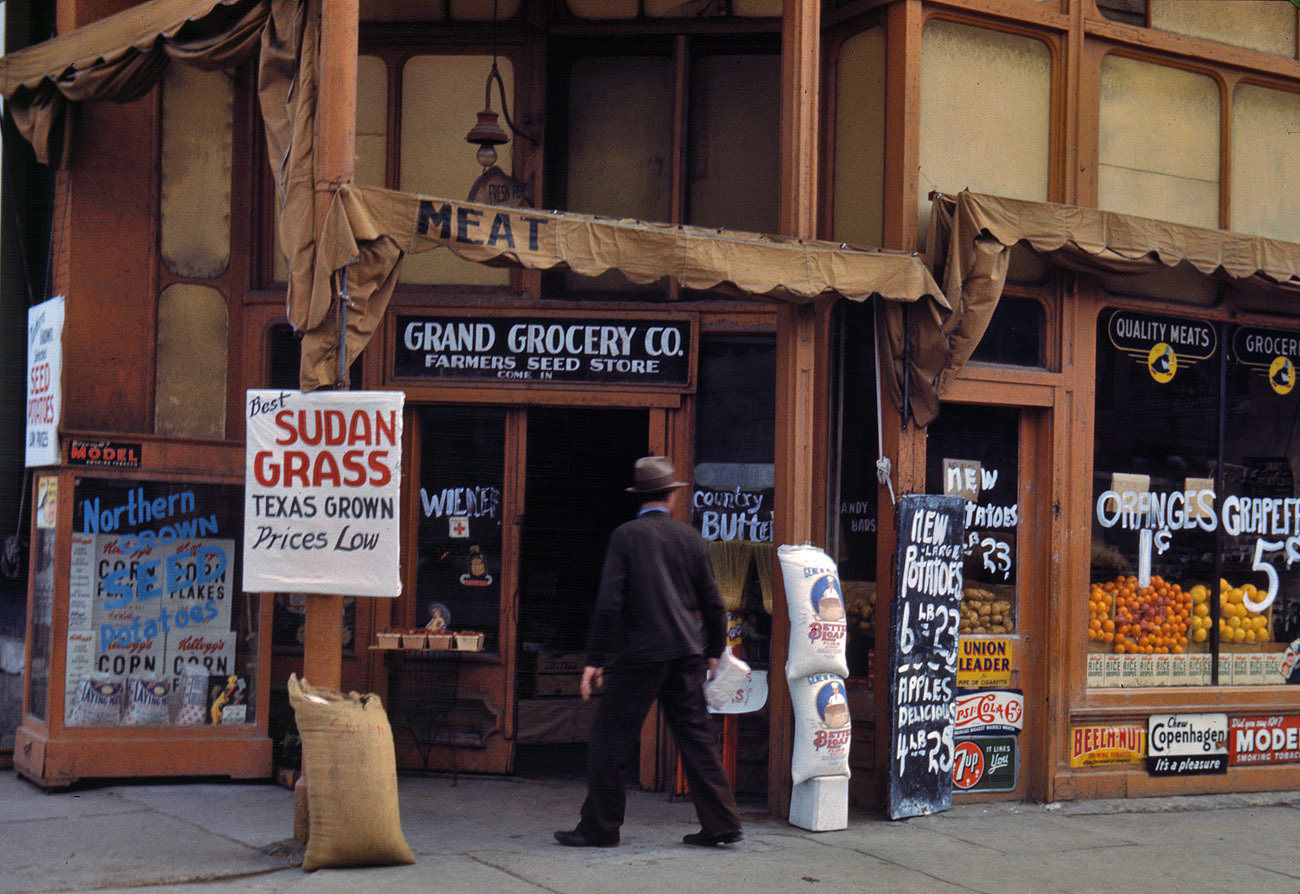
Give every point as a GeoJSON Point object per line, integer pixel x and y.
{"type": "Point", "coordinates": [629, 692]}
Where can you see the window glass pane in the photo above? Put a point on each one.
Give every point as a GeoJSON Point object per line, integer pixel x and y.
{"type": "Point", "coordinates": [1259, 613]}
{"type": "Point", "coordinates": [194, 215]}
{"type": "Point", "coordinates": [441, 99]}
{"type": "Point", "coordinates": [372, 122]}
{"type": "Point", "coordinates": [1011, 121]}
{"type": "Point", "coordinates": [851, 497]}
{"type": "Point", "coordinates": [602, 9]}
{"type": "Point", "coordinates": [159, 632]}
{"type": "Point", "coordinates": [734, 103]}
{"type": "Point", "coordinates": [1265, 193]}
{"type": "Point", "coordinates": [462, 468]}
{"type": "Point", "coordinates": [973, 452]}
{"type": "Point", "coordinates": [859, 188]}
{"type": "Point", "coordinates": [1016, 334]}
{"type": "Point", "coordinates": [41, 622]}
{"type": "Point", "coordinates": [1264, 25]}
{"type": "Point", "coordinates": [1154, 506]}
{"type": "Point", "coordinates": [191, 358]}
{"type": "Point", "coordinates": [733, 491]}
{"type": "Point", "coordinates": [1158, 152]}
{"type": "Point", "coordinates": [620, 145]}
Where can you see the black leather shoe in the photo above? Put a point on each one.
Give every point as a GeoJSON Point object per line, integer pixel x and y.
{"type": "Point", "coordinates": [577, 839]}
{"type": "Point", "coordinates": [703, 839]}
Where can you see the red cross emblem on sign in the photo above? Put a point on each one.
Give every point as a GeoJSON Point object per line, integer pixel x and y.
{"type": "Point", "coordinates": [459, 528]}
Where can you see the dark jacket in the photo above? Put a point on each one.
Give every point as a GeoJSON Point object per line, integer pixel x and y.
{"type": "Point", "coordinates": [656, 586]}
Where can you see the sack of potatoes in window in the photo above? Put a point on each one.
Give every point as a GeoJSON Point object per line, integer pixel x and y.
{"type": "Point", "coordinates": [984, 611]}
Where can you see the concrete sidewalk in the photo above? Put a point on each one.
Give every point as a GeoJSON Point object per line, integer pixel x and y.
{"type": "Point", "coordinates": [494, 834]}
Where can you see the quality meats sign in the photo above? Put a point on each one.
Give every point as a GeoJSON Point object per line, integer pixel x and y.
{"type": "Point", "coordinates": [322, 486]}
{"type": "Point", "coordinates": [545, 350]}
{"type": "Point", "coordinates": [1264, 740]}
{"type": "Point", "coordinates": [990, 712]}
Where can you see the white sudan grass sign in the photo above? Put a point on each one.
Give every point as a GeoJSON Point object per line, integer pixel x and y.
{"type": "Point", "coordinates": [321, 497]}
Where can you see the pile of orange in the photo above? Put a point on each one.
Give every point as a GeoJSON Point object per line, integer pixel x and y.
{"type": "Point", "coordinates": [1151, 620]}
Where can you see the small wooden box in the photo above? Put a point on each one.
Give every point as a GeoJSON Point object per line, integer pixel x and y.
{"type": "Point", "coordinates": [468, 642]}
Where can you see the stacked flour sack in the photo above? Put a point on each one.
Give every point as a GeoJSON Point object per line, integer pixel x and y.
{"type": "Point", "coordinates": [816, 669]}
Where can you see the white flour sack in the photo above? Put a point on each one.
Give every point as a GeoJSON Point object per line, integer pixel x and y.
{"type": "Point", "coordinates": [816, 606]}
{"type": "Point", "coordinates": [822, 729]}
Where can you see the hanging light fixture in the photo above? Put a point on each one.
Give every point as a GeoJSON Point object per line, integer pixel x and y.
{"type": "Point", "coordinates": [487, 133]}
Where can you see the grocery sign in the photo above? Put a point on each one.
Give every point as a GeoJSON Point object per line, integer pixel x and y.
{"type": "Point", "coordinates": [1101, 746]}
{"type": "Point", "coordinates": [1187, 744]}
{"type": "Point", "coordinates": [1264, 740]}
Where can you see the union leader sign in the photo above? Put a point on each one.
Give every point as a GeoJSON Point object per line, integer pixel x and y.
{"type": "Point", "coordinates": [321, 495]}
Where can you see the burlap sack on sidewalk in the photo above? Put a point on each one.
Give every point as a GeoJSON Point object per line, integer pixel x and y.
{"type": "Point", "coordinates": [351, 773]}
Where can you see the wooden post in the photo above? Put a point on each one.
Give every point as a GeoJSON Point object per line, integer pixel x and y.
{"type": "Point", "coordinates": [335, 152]}
{"type": "Point", "coordinates": [336, 115]}
{"type": "Point", "coordinates": [796, 353]}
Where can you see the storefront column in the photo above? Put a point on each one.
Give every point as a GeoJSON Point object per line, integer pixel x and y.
{"type": "Point", "coordinates": [335, 153]}
{"type": "Point", "coordinates": [796, 352]}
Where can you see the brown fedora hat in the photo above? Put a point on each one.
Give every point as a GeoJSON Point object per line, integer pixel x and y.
{"type": "Point", "coordinates": [652, 475]}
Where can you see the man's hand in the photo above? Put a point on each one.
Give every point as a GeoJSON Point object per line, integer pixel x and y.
{"type": "Point", "coordinates": [713, 669]}
{"type": "Point", "coordinates": [593, 678]}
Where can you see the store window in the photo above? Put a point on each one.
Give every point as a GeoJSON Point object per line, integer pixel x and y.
{"type": "Point", "coordinates": [1158, 142]}
{"type": "Point", "coordinates": [458, 564]}
{"type": "Point", "coordinates": [1008, 117]}
{"type": "Point", "coordinates": [1263, 25]}
{"type": "Point", "coordinates": [158, 631]}
{"type": "Point", "coordinates": [859, 182]}
{"type": "Point", "coordinates": [190, 362]}
{"type": "Point", "coordinates": [1016, 334]}
{"type": "Point", "coordinates": [852, 482]}
{"type": "Point", "coordinates": [1195, 509]}
{"type": "Point", "coordinates": [972, 451]}
{"type": "Point", "coordinates": [197, 159]}
{"type": "Point", "coordinates": [616, 154]}
{"type": "Point", "coordinates": [1264, 194]}
{"type": "Point", "coordinates": [734, 481]}
{"type": "Point", "coordinates": [441, 97]}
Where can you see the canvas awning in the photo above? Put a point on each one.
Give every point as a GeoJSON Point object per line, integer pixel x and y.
{"type": "Point", "coordinates": [368, 230]}
{"type": "Point", "coordinates": [120, 58]}
{"type": "Point", "coordinates": [971, 236]}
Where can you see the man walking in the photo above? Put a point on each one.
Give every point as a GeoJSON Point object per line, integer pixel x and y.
{"type": "Point", "coordinates": [657, 577]}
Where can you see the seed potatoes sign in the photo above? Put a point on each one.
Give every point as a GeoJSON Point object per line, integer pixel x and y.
{"type": "Point", "coordinates": [322, 485]}
{"type": "Point", "coordinates": [547, 350]}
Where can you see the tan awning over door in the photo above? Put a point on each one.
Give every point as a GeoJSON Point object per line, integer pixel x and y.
{"type": "Point", "coordinates": [971, 236]}
{"type": "Point", "coordinates": [368, 231]}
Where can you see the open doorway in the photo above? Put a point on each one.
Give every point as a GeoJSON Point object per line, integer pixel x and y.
{"type": "Point", "coordinates": [578, 463]}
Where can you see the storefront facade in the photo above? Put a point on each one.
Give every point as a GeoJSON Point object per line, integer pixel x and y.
{"type": "Point", "coordinates": [1107, 389]}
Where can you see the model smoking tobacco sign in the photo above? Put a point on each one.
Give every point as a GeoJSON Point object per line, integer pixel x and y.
{"type": "Point", "coordinates": [322, 486]}
{"type": "Point", "coordinates": [923, 653]}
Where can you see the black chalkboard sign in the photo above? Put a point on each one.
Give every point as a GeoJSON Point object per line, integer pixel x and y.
{"type": "Point", "coordinates": [923, 653]}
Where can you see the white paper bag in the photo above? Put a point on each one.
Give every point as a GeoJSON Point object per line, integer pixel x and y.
{"type": "Point", "coordinates": [729, 677]}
